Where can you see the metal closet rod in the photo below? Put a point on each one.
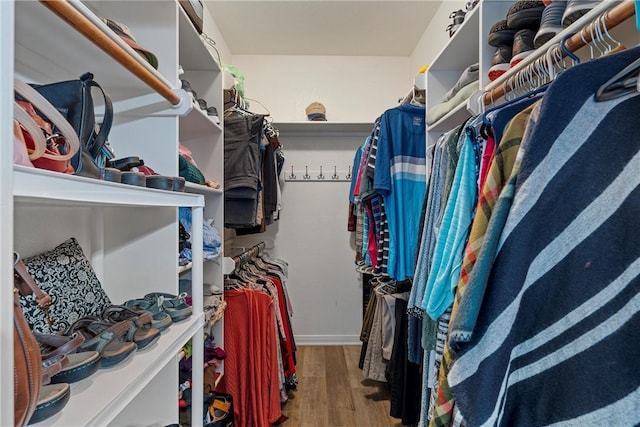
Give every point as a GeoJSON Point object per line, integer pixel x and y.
{"type": "Point", "coordinates": [85, 27]}
{"type": "Point", "coordinates": [612, 18]}
{"type": "Point", "coordinates": [249, 254]}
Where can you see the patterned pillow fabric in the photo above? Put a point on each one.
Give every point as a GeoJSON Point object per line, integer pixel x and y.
{"type": "Point", "coordinates": [66, 275]}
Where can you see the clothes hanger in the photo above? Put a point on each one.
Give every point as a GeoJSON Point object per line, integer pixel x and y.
{"type": "Point", "coordinates": [622, 83]}
{"type": "Point", "coordinates": [533, 93]}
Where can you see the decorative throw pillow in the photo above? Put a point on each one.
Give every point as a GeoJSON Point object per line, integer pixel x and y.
{"type": "Point", "coordinates": [66, 275]}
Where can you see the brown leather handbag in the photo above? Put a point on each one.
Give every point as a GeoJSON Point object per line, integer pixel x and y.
{"type": "Point", "coordinates": [27, 362]}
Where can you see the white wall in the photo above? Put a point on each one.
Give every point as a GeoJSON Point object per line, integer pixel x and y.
{"type": "Point", "coordinates": [435, 36]}
{"type": "Point", "coordinates": [351, 88]}
{"type": "Point", "coordinates": [210, 28]}
{"type": "Point", "coordinates": [312, 237]}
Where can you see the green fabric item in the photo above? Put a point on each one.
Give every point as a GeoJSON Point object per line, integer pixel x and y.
{"type": "Point", "coordinates": [189, 172]}
{"type": "Point", "coordinates": [238, 76]}
{"type": "Point", "coordinates": [438, 111]}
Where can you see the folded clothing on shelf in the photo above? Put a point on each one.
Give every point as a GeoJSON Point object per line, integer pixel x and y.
{"type": "Point", "coordinates": [469, 75]}
{"type": "Point", "coordinates": [438, 111]}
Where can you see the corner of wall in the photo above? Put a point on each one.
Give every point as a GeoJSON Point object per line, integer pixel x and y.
{"type": "Point", "coordinates": [211, 29]}
{"type": "Point", "coordinates": [435, 36]}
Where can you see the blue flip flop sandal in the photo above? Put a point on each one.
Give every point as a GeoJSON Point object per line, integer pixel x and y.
{"type": "Point", "coordinates": [175, 305]}
{"type": "Point", "coordinates": [160, 318]}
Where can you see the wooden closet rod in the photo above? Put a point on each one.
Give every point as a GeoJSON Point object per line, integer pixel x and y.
{"type": "Point", "coordinates": [84, 26]}
{"type": "Point", "coordinates": [612, 18]}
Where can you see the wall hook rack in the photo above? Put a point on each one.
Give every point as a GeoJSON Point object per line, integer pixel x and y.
{"type": "Point", "coordinates": [308, 176]}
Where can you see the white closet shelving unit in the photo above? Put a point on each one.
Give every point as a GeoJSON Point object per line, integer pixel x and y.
{"type": "Point", "coordinates": [129, 233]}
{"type": "Point", "coordinates": [443, 73]}
{"type": "Point", "coordinates": [204, 136]}
{"type": "Point", "coordinates": [469, 45]}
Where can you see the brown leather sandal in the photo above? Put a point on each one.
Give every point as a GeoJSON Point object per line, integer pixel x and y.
{"type": "Point", "coordinates": [106, 338]}
{"type": "Point", "coordinates": [79, 365]}
{"type": "Point", "coordinates": [140, 330]}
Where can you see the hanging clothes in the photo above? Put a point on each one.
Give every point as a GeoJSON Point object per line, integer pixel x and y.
{"type": "Point", "coordinates": [400, 177]}
{"type": "Point", "coordinates": [242, 156]}
{"type": "Point", "coordinates": [556, 319]}
{"type": "Point", "coordinates": [498, 174]}
{"type": "Point", "coordinates": [253, 163]}
{"type": "Point", "coordinates": [259, 341]}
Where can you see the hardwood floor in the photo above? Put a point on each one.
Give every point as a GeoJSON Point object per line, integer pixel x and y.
{"type": "Point", "coordinates": [333, 392]}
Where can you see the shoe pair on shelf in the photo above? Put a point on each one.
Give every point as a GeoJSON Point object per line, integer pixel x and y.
{"type": "Point", "coordinates": [211, 111]}
{"type": "Point", "coordinates": [558, 15]}
{"type": "Point", "coordinates": [133, 171]}
{"type": "Point", "coordinates": [458, 17]}
{"type": "Point", "coordinates": [513, 37]}
{"type": "Point", "coordinates": [529, 25]}
{"type": "Point", "coordinates": [165, 308]}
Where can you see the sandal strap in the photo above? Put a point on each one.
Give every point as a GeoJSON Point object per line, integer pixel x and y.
{"type": "Point", "coordinates": [63, 345]}
{"type": "Point", "coordinates": [53, 366]}
{"type": "Point", "coordinates": [26, 285]}
{"type": "Point", "coordinates": [117, 313]}
{"type": "Point", "coordinates": [97, 325]}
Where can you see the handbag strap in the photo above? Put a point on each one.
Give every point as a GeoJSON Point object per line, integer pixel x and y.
{"type": "Point", "coordinates": [27, 122]}
{"type": "Point", "coordinates": [95, 145]}
{"type": "Point", "coordinates": [45, 107]}
{"type": "Point", "coordinates": [25, 284]}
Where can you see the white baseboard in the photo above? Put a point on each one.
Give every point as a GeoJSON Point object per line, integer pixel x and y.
{"type": "Point", "coordinates": [328, 340]}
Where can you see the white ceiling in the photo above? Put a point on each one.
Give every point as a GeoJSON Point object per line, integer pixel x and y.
{"type": "Point", "coordinates": [322, 27]}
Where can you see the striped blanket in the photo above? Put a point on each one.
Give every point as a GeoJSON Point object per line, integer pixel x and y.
{"type": "Point", "coordinates": [557, 341]}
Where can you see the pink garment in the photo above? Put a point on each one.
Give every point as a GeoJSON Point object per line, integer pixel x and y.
{"type": "Point", "coordinates": [186, 153]}
{"type": "Point", "coordinates": [361, 170]}
{"type": "Point", "coordinates": [487, 156]}
{"type": "Point", "coordinates": [372, 237]}
{"type": "Point", "coordinates": [20, 155]}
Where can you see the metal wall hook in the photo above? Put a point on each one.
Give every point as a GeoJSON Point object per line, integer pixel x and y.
{"type": "Point", "coordinates": [321, 175]}
{"type": "Point", "coordinates": [306, 173]}
{"type": "Point", "coordinates": [335, 173]}
{"type": "Point", "coordinates": [348, 173]}
{"type": "Point", "coordinates": [292, 176]}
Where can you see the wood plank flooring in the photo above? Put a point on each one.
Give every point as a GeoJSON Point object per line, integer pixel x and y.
{"type": "Point", "coordinates": [332, 391]}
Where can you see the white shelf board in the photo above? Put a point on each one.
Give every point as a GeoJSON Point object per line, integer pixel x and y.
{"type": "Point", "coordinates": [462, 49]}
{"type": "Point", "coordinates": [192, 187]}
{"type": "Point", "coordinates": [41, 58]}
{"type": "Point", "coordinates": [337, 127]}
{"type": "Point", "coordinates": [97, 400]}
{"type": "Point", "coordinates": [453, 118]}
{"type": "Point", "coordinates": [196, 124]}
{"type": "Point", "coordinates": [31, 185]}
{"type": "Point", "coordinates": [194, 54]}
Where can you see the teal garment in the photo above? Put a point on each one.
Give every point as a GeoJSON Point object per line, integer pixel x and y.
{"type": "Point", "coordinates": [365, 238]}
{"type": "Point", "coordinates": [454, 229]}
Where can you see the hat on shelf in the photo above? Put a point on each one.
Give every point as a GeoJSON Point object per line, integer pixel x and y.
{"type": "Point", "coordinates": [127, 36]}
{"type": "Point", "coordinates": [316, 112]}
